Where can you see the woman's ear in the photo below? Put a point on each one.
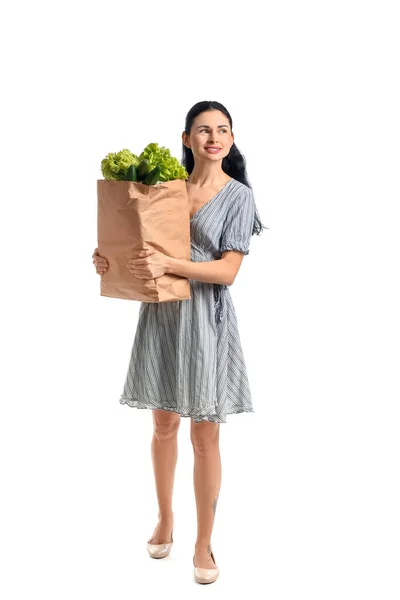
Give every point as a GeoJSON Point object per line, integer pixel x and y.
{"type": "Point", "coordinates": [184, 139]}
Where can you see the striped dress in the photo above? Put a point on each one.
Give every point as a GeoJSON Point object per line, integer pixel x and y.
{"type": "Point", "coordinates": [187, 356]}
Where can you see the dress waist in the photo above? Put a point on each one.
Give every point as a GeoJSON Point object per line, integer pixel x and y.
{"type": "Point", "coordinates": [220, 300]}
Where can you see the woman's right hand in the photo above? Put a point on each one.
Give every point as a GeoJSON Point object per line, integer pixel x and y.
{"type": "Point", "coordinates": [99, 262]}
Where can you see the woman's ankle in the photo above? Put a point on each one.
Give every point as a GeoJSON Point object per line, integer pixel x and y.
{"type": "Point", "coordinates": [167, 518]}
{"type": "Point", "coordinates": [201, 545]}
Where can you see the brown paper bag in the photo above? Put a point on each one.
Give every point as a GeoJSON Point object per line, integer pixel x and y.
{"type": "Point", "coordinates": [133, 216]}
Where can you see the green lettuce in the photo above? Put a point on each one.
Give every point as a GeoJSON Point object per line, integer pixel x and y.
{"type": "Point", "coordinates": [171, 168]}
{"type": "Point", "coordinates": [115, 165]}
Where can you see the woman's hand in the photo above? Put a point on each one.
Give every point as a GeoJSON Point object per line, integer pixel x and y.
{"type": "Point", "coordinates": [99, 262]}
{"type": "Point", "coordinates": [150, 264]}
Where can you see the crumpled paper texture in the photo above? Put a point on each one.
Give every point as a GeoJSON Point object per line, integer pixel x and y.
{"type": "Point", "coordinates": [131, 217]}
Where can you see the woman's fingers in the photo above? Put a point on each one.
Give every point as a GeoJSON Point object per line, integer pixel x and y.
{"type": "Point", "coordinates": [101, 269]}
{"type": "Point", "coordinates": [135, 265]}
{"type": "Point", "coordinates": [100, 262]}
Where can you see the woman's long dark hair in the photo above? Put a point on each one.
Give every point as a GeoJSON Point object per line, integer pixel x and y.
{"type": "Point", "coordinates": [233, 165]}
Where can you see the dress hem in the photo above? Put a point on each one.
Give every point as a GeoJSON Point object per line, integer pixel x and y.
{"type": "Point", "coordinates": [197, 419]}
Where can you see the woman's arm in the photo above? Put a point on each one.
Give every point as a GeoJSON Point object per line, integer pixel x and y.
{"type": "Point", "coordinates": [222, 271]}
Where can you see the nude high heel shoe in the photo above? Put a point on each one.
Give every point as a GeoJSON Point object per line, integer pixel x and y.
{"type": "Point", "coordinates": [160, 550]}
{"type": "Point", "coordinates": [206, 575]}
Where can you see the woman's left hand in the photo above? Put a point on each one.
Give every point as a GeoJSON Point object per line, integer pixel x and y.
{"type": "Point", "coordinates": [150, 264]}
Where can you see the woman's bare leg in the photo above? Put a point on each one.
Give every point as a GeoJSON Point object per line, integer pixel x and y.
{"type": "Point", "coordinates": [207, 483]}
{"type": "Point", "coordinates": [164, 454]}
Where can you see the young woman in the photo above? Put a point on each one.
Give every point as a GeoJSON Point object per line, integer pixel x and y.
{"type": "Point", "coordinates": [187, 359]}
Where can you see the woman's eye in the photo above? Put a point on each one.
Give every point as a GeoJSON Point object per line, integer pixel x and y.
{"type": "Point", "coordinates": [205, 130]}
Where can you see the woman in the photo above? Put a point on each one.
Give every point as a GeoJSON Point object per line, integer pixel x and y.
{"type": "Point", "coordinates": [187, 358]}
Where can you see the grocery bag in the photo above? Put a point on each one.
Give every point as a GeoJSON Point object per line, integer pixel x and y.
{"type": "Point", "coordinates": [133, 216]}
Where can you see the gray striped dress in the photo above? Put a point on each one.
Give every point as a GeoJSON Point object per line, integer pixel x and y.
{"type": "Point", "coordinates": [187, 356]}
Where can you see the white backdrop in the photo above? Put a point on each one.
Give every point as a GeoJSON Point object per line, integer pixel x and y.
{"type": "Point", "coordinates": [309, 501]}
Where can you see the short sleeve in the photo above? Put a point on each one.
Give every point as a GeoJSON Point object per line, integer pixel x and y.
{"type": "Point", "coordinates": [238, 226]}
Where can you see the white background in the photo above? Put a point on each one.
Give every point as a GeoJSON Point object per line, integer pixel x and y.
{"type": "Point", "coordinates": [309, 501]}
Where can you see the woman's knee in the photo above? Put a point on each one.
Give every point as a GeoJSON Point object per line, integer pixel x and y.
{"type": "Point", "coordinates": [204, 435]}
{"type": "Point", "coordinates": [166, 424]}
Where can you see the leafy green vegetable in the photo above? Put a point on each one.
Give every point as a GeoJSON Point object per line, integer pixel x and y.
{"type": "Point", "coordinates": [115, 165]}
{"type": "Point", "coordinates": [170, 167]}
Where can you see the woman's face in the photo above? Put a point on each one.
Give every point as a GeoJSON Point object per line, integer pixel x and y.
{"type": "Point", "coordinates": [209, 128]}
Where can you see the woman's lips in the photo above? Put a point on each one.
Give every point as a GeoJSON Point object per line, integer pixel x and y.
{"type": "Point", "coordinates": [213, 150]}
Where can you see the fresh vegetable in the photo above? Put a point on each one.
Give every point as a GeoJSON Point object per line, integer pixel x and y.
{"type": "Point", "coordinates": [115, 165]}
{"type": "Point", "coordinates": [144, 168]}
{"type": "Point", "coordinates": [131, 173]}
{"type": "Point", "coordinates": [153, 176]}
{"type": "Point", "coordinates": [154, 165]}
{"type": "Point", "coordinates": [171, 168]}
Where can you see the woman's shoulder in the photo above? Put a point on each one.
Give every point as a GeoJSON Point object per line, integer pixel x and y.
{"type": "Point", "coordinates": [240, 190]}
